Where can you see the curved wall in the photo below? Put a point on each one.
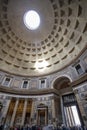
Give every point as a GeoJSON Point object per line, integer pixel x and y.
{"type": "Point", "coordinates": [43, 83]}
{"type": "Point", "coordinates": [40, 92]}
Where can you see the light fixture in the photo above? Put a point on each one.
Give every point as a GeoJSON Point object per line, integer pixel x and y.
{"type": "Point", "coordinates": [32, 20]}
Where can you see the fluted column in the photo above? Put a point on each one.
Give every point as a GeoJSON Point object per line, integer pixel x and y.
{"type": "Point", "coordinates": [24, 113]}
{"type": "Point", "coordinates": [14, 112]}
{"type": "Point", "coordinates": [62, 110]}
{"type": "Point", "coordinates": [53, 108]}
{"type": "Point", "coordinates": [4, 111]}
{"type": "Point", "coordinates": [46, 117]}
{"type": "Point", "coordinates": [37, 117]}
{"type": "Point", "coordinates": [32, 111]}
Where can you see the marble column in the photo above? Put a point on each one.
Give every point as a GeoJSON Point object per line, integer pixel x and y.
{"type": "Point", "coordinates": [14, 112]}
{"type": "Point", "coordinates": [24, 112]}
{"type": "Point", "coordinates": [32, 112]}
{"type": "Point", "coordinates": [62, 110]}
{"type": "Point", "coordinates": [46, 117]}
{"type": "Point", "coordinates": [4, 111]}
{"type": "Point", "coordinates": [53, 109]}
{"type": "Point", "coordinates": [37, 117]}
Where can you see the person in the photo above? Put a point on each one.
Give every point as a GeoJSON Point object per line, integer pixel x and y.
{"type": "Point", "coordinates": [21, 128]}
{"type": "Point", "coordinates": [6, 126]}
{"type": "Point", "coordinates": [64, 127]}
{"type": "Point", "coordinates": [28, 127]}
{"type": "Point", "coordinates": [1, 127]}
{"type": "Point", "coordinates": [33, 127]}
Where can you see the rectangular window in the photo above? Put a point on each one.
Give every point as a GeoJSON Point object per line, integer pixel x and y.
{"type": "Point", "coordinates": [25, 84]}
{"type": "Point", "coordinates": [42, 83]}
{"type": "Point", "coordinates": [68, 99]}
{"type": "Point", "coordinates": [7, 81]}
{"type": "Point", "coordinates": [79, 69]}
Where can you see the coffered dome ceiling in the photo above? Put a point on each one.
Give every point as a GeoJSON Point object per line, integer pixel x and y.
{"type": "Point", "coordinates": [59, 40]}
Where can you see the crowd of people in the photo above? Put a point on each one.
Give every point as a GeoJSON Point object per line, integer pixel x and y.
{"type": "Point", "coordinates": [47, 127]}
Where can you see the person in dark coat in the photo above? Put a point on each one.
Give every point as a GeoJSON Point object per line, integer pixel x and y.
{"type": "Point", "coordinates": [1, 127]}
{"type": "Point", "coordinates": [34, 127]}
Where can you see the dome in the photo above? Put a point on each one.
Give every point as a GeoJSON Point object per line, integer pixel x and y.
{"type": "Point", "coordinates": [60, 38]}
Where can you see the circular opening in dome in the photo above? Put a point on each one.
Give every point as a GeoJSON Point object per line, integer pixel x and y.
{"type": "Point", "coordinates": [32, 20]}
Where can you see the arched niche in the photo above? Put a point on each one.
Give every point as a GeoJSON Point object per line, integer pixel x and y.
{"type": "Point", "coordinates": [61, 83]}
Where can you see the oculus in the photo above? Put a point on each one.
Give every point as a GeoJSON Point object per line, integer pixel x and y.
{"type": "Point", "coordinates": [32, 20]}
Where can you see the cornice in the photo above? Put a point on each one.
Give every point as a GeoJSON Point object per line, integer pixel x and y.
{"type": "Point", "coordinates": [28, 92]}
{"type": "Point", "coordinates": [80, 80]}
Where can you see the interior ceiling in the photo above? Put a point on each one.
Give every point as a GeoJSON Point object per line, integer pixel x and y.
{"type": "Point", "coordinates": [60, 38]}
